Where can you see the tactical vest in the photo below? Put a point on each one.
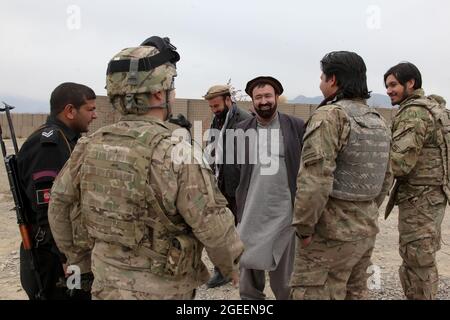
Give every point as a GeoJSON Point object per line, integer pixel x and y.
{"type": "Point", "coordinates": [120, 205]}
{"type": "Point", "coordinates": [361, 165]}
{"type": "Point", "coordinates": [432, 167]}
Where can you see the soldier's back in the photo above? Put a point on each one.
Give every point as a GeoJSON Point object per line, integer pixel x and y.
{"type": "Point", "coordinates": [129, 189]}
{"type": "Point", "coordinates": [360, 132]}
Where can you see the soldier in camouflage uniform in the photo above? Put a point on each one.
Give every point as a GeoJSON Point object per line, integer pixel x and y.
{"type": "Point", "coordinates": [420, 164]}
{"type": "Point", "coordinates": [344, 176]}
{"type": "Point", "coordinates": [145, 215]}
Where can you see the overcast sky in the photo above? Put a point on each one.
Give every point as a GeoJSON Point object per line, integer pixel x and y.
{"type": "Point", "coordinates": [45, 43]}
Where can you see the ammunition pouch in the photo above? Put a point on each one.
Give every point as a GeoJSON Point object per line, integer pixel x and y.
{"type": "Point", "coordinates": [183, 257]}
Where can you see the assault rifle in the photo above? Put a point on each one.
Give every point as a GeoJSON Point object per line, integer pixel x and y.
{"type": "Point", "coordinates": [17, 193]}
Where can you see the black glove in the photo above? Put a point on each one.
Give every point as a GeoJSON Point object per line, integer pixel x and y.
{"type": "Point", "coordinates": [181, 121]}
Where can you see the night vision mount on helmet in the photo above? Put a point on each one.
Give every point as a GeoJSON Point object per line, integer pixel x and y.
{"type": "Point", "coordinates": [134, 73]}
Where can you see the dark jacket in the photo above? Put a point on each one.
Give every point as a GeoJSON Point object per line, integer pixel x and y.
{"type": "Point", "coordinates": [292, 129]}
{"type": "Point", "coordinates": [39, 161]}
{"type": "Point", "coordinates": [228, 177]}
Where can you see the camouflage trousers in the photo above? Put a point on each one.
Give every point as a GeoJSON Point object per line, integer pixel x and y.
{"type": "Point", "coordinates": [331, 270]}
{"type": "Point", "coordinates": [107, 293]}
{"type": "Point", "coordinates": [420, 219]}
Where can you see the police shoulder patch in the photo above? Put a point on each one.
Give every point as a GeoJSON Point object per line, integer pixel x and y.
{"type": "Point", "coordinates": [49, 135]}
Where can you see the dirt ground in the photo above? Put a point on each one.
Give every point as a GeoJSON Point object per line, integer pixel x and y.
{"type": "Point", "coordinates": [385, 256]}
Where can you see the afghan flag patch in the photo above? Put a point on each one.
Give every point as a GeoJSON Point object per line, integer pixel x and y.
{"type": "Point", "coordinates": [43, 196]}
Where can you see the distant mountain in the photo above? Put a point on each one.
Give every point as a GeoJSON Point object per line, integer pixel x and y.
{"type": "Point", "coordinates": [377, 100]}
{"type": "Point", "coordinates": [380, 100]}
{"type": "Point", "coordinates": [306, 100]}
{"type": "Point", "coordinates": [25, 105]}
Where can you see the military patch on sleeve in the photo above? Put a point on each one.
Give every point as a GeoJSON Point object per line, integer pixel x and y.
{"type": "Point", "coordinates": [49, 135]}
{"type": "Point", "coordinates": [43, 196]}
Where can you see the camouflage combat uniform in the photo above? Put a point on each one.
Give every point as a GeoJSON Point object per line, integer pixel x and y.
{"type": "Point", "coordinates": [146, 231]}
{"type": "Point", "coordinates": [344, 176]}
{"type": "Point", "coordinates": [418, 166]}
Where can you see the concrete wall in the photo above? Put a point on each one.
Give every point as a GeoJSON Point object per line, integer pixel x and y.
{"type": "Point", "coordinates": [194, 110]}
{"type": "Point", "coordinates": [24, 124]}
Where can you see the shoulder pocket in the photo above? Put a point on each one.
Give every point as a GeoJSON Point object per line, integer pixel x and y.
{"type": "Point", "coordinates": [404, 139]}
{"type": "Point", "coordinates": [311, 128]}
{"type": "Point", "coordinates": [402, 131]}
{"type": "Point", "coordinates": [311, 157]}
{"type": "Point", "coordinates": [310, 154]}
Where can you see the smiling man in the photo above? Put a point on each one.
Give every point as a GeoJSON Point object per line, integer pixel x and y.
{"type": "Point", "coordinates": [265, 198]}
{"type": "Point", "coordinates": [418, 159]}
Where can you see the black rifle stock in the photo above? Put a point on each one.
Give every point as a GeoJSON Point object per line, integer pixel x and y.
{"type": "Point", "coordinates": [14, 185]}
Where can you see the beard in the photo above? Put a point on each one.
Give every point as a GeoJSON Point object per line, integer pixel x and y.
{"type": "Point", "coordinates": [403, 98]}
{"type": "Point", "coordinates": [82, 128]}
{"type": "Point", "coordinates": [222, 114]}
{"type": "Point", "coordinates": [266, 113]}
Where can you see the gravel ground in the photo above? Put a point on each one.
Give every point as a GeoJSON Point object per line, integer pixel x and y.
{"type": "Point", "coordinates": [385, 255]}
{"type": "Point", "coordinates": [390, 289]}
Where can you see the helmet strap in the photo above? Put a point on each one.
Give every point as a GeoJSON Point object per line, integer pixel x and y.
{"type": "Point", "coordinates": [168, 106]}
{"type": "Point", "coordinates": [165, 105]}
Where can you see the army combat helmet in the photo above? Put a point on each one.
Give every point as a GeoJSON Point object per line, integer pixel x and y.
{"type": "Point", "coordinates": [135, 72]}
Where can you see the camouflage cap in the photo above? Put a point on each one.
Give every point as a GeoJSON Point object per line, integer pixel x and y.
{"type": "Point", "coordinates": [152, 81]}
{"type": "Point", "coordinates": [217, 91]}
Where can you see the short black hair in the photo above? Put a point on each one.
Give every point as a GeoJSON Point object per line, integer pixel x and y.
{"type": "Point", "coordinates": [70, 93]}
{"type": "Point", "coordinates": [350, 72]}
{"type": "Point", "coordinates": [403, 72]}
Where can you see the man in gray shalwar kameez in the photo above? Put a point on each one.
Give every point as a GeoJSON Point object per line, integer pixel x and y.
{"type": "Point", "coordinates": [266, 192]}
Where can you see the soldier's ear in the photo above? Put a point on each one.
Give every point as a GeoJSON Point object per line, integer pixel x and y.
{"type": "Point", "coordinates": [333, 80]}
{"type": "Point", "coordinates": [410, 84]}
{"type": "Point", "coordinates": [159, 96]}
